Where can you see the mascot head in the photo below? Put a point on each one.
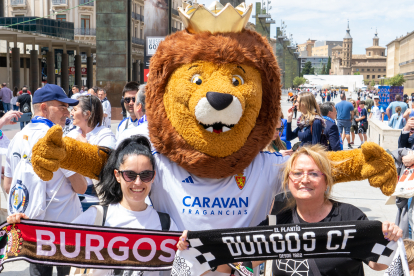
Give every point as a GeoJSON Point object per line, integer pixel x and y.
{"type": "Point", "coordinates": [213, 93]}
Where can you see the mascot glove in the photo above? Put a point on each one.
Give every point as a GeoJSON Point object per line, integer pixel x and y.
{"type": "Point", "coordinates": [371, 161]}
{"type": "Point", "coordinates": [54, 151]}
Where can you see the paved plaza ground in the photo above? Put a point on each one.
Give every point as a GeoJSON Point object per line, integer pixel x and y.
{"type": "Point", "coordinates": [370, 200]}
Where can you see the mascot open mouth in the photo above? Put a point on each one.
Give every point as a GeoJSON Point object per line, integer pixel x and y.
{"type": "Point", "coordinates": [218, 112]}
{"type": "Point", "coordinates": [217, 127]}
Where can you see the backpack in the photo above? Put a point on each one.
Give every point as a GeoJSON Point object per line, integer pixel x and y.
{"type": "Point", "coordinates": [28, 191]}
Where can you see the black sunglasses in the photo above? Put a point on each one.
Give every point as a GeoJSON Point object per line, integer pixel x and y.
{"type": "Point", "coordinates": [128, 99]}
{"type": "Point", "coordinates": [130, 176]}
{"type": "Point", "coordinates": [279, 129]}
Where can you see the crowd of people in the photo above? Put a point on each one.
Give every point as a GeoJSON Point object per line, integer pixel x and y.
{"type": "Point", "coordinates": [128, 176]}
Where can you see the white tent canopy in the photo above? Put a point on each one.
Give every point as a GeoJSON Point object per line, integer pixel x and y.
{"type": "Point", "coordinates": [352, 82]}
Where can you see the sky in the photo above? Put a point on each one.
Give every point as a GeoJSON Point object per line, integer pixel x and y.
{"type": "Point", "coordinates": [327, 19]}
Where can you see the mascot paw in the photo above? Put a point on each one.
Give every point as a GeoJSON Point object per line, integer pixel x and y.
{"type": "Point", "coordinates": [379, 168]}
{"type": "Point", "coordinates": [48, 153]}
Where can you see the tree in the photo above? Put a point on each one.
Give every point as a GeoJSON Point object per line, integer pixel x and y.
{"type": "Point", "coordinates": [307, 68]}
{"type": "Point", "coordinates": [323, 70]}
{"type": "Point", "coordinates": [372, 83]}
{"type": "Point", "coordinates": [312, 71]}
{"type": "Point", "coordinates": [328, 67]}
{"type": "Point", "coordinates": [297, 81]}
{"type": "Point", "coordinates": [357, 73]}
{"type": "Point", "coordinates": [366, 82]}
{"type": "Point", "coordinates": [397, 80]}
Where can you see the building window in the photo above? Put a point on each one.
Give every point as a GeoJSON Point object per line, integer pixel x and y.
{"type": "Point", "coordinates": [379, 76]}
{"type": "Point", "coordinates": [373, 70]}
{"type": "Point", "coordinates": [362, 70]}
{"type": "Point", "coordinates": [19, 15]}
{"type": "Point", "coordinates": [369, 53]}
{"type": "Point", "coordinates": [385, 70]}
{"type": "Point", "coordinates": [367, 70]}
{"type": "Point", "coordinates": [373, 76]}
{"type": "Point", "coordinates": [367, 76]}
{"type": "Point", "coordinates": [85, 22]}
{"type": "Point", "coordinates": [382, 54]}
{"type": "Point", "coordinates": [61, 17]}
{"type": "Point", "coordinates": [357, 69]}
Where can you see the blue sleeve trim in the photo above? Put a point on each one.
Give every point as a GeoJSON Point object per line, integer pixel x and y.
{"type": "Point", "coordinates": [122, 122]}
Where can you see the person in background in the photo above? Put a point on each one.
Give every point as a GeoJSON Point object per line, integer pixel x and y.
{"type": "Point", "coordinates": [310, 124]}
{"type": "Point", "coordinates": [377, 112]}
{"type": "Point", "coordinates": [6, 95]}
{"type": "Point", "coordinates": [363, 123]}
{"type": "Point", "coordinates": [139, 111]}
{"type": "Point", "coordinates": [106, 108]}
{"type": "Point", "coordinates": [354, 124]}
{"type": "Point", "coordinates": [409, 112]}
{"type": "Point", "coordinates": [277, 145]}
{"type": "Point", "coordinates": [369, 103]}
{"type": "Point", "coordinates": [283, 134]}
{"type": "Point", "coordinates": [92, 92]}
{"type": "Point", "coordinates": [295, 108]}
{"type": "Point", "coordinates": [407, 132]}
{"type": "Point", "coordinates": [407, 102]}
{"type": "Point", "coordinates": [50, 105]}
{"type": "Point", "coordinates": [129, 92]}
{"type": "Point", "coordinates": [28, 91]}
{"type": "Point", "coordinates": [331, 131]}
{"type": "Point", "coordinates": [391, 108]}
{"type": "Point", "coordinates": [14, 99]}
{"type": "Point", "coordinates": [75, 92]}
{"type": "Point", "coordinates": [24, 102]}
{"type": "Point", "coordinates": [87, 117]}
{"type": "Point", "coordinates": [397, 120]}
{"type": "Point", "coordinates": [344, 118]}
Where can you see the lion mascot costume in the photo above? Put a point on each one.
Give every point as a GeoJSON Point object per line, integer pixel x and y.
{"type": "Point", "coordinates": [213, 101]}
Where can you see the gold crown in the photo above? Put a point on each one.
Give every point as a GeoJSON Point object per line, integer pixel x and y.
{"type": "Point", "coordinates": [216, 18]}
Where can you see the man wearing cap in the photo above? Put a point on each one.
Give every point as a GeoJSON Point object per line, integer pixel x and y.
{"type": "Point", "coordinates": [377, 112]}
{"type": "Point", "coordinates": [50, 106]}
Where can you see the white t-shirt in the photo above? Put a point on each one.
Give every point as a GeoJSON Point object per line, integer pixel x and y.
{"type": "Point", "coordinates": [106, 105]}
{"type": "Point", "coordinates": [100, 135]}
{"type": "Point", "coordinates": [142, 129]}
{"type": "Point", "coordinates": [66, 205]}
{"type": "Point", "coordinates": [377, 112]}
{"type": "Point", "coordinates": [197, 203]}
{"type": "Point", "coordinates": [123, 126]}
{"type": "Point", "coordinates": [118, 216]}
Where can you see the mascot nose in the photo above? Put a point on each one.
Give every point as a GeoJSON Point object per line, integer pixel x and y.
{"type": "Point", "coordinates": [219, 100]}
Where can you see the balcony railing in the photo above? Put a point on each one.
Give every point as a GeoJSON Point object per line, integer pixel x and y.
{"type": "Point", "coordinates": [59, 2]}
{"type": "Point", "coordinates": [137, 16]}
{"type": "Point", "coordinates": [86, 3]}
{"type": "Point", "coordinates": [138, 41]}
{"type": "Point", "coordinates": [85, 31]}
{"type": "Point", "coordinates": [17, 2]}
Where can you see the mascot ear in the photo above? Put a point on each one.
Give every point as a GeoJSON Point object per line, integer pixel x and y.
{"type": "Point", "coordinates": [371, 161]}
{"type": "Point", "coordinates": [53, 152]}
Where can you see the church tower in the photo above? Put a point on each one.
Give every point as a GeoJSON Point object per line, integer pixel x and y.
{"type": "Point", "coordinates": [376, 39]}
{"type": "Point", "coordinates": [347, 53]}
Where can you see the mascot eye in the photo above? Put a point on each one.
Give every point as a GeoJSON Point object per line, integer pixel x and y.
{"type": "Point", "coordinates": [237, 80]}
{"type": "Point", "coordinates": [197, 79]}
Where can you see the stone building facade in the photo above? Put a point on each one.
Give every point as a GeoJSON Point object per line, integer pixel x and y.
{"type": "Point", "coordinates": [371, 65]}
{"type": "Point", "coordinates": [400, 60]}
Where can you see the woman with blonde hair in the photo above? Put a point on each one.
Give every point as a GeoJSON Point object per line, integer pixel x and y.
{"type": "Point", "coordinates": [310, 124]}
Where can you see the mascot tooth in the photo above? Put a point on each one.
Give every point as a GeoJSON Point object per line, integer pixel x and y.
{"type": "Point", "coordinates": [213, 102]}
{"type": "Point", "coordinates": [218, 112]}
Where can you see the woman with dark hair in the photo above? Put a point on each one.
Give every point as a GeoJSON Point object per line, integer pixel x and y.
{"type": "Point", "coordinates": [87, 118]}
{"type": "Point", "coordinates": [14, 99]}
{"type": "Point", "coordinates": [124, 184]}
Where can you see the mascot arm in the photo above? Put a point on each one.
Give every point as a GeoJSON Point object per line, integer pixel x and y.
{"type": "Point", "coordinates": [371, 161]}
{"type": "Point", "coordinates": [53, 152]}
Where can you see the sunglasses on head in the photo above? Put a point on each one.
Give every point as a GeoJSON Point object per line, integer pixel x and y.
{"type": "Point", "coordinates": [128, 99]}
{"type": "Point", "coordinates": [131, 176]}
